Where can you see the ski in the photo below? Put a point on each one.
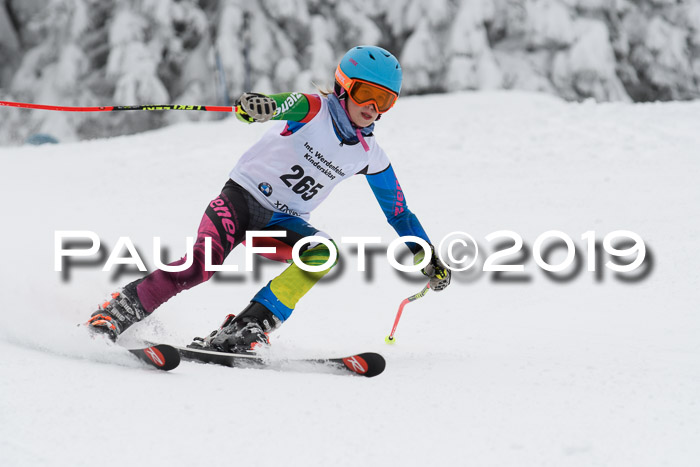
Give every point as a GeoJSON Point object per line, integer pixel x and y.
{"type": "Point", "coordinates": [161, 356]}
{"type": "Point", "coordinates": [367, 364]}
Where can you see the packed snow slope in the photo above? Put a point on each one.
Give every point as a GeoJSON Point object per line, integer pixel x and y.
{"type": "Point", "coordinates": [591, 370]}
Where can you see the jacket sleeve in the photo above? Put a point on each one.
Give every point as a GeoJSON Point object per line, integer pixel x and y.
{"type": "Point", "coordinates": [387, 190]}
{"type": "Point", "coordinates": [296, 106]}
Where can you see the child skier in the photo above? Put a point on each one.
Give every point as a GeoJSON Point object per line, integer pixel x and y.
{"type": "Point", "coordinates": [319, 142]}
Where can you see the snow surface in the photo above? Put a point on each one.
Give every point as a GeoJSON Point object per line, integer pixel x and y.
{"type": "Point", "coordinates": [581, 373]}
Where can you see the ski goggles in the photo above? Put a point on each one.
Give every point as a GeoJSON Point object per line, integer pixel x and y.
{"type": "Point", "coordinates": [363, 92]}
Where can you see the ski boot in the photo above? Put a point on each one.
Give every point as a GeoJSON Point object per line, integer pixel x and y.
{"type": "Point", "coordinates": [116, 315]}
{"type": "Point", "coordinates": [245, 333]}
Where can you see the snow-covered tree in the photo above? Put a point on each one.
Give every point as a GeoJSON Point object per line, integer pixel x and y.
{"type": "Point", "coordinates": [102, 52]}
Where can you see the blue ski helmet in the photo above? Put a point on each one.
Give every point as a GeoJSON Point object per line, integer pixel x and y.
{"type": "Point", "coordinates": [373, 64]}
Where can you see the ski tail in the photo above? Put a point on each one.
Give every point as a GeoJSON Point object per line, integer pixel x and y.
{"type": "Point", "coordinates": [163, 357]}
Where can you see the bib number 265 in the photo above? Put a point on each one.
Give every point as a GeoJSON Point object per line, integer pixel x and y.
{"type": "Point", "coordinates": [305, 186]}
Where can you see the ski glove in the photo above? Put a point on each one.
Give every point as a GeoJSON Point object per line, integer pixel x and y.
{"type": "Point", "coordinates": [440, 276]}
{"type": "Point", "coordinates": [253, 107]}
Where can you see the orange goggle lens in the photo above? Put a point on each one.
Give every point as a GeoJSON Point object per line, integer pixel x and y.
{"type": "Point", "coordinates": [362, 93]}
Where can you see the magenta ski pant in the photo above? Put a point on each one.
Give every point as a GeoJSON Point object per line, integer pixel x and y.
{"type": "Point", "coordinates": [225, 221]}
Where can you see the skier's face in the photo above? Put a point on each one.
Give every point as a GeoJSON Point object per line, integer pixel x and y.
{"type": "Point", "coordinates": [361, 116]}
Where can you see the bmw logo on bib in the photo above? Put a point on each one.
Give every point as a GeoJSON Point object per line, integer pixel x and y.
{"type": "Point", "coordinates": [265, 188]}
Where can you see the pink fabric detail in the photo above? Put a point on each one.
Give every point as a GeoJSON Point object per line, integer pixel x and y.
{"type": "Point", "coordinates": [365, 146]}
{"type": "Point", "coordinates": [159, 286]}
{"type": "Point", "coordinates": [358, 132]}
{"type": "Point", "coordinates": [286, 131]}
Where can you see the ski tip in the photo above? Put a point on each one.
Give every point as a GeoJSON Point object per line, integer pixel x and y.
{"type": "Point", "coordinates": [367, 364]}
{"type": "Point", "coordinates": [161, 356]}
